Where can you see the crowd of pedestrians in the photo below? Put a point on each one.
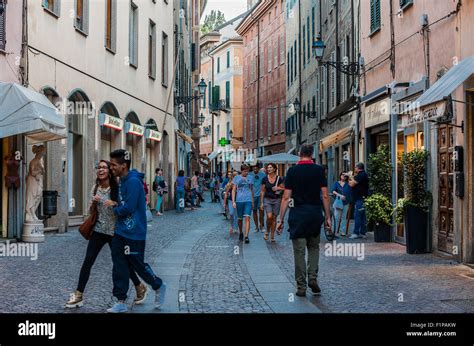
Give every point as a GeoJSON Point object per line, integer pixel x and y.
{"type": "Point", "coordinates": [259, 193]}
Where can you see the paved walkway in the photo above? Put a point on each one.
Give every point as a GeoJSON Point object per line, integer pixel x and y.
{"type": "Point", "coordinates": [207, 271]}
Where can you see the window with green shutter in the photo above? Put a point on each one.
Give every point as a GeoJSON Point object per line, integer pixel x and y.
{"type": "Point", "coordinates": [374, 15]}
{"type": "Point", "coordinates": [405, 3]}
{"type": "Point", "coordinates": [218, 65]}
{"type": "Point", "coordinates": [216, 93]}
{"type": "Point", "coordinates": [210, 93]}
{"type": "Point", "coordinates": [2, 30]}
{"type": "Point", "coordinates": [228, 59]}
{"type": "Point", "coordinates": [227, 94]}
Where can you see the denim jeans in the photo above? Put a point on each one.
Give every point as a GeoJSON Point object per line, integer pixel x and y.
{"type": "Point", "coordinates": [180, 200]}
{"type": "Point", "coordinates": [128, 255]}
{"type": "Point", "coordinates": [340, 218]}
{"type": "Point", "coordinates": [95, 245]}
{"type": "Point", "coordinates": [234, 220]}
{"type": "Point", "coordinates": [360, 218]}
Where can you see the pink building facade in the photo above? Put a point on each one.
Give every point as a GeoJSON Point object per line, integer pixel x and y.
{"type": "Point", "coordinates": [264, 81]}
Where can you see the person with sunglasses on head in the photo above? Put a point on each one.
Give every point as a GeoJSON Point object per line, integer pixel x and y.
{"type": "Point", "coordinates": [105, 188]}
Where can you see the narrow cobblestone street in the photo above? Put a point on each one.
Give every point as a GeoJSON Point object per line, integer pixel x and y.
{"type": "Point", "coordinates": [207, 270]}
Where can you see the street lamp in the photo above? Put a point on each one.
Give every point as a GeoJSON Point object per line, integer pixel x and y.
{"type": "Point", "coordinates": [318, 48]}
{"type": "Point", "coordinates": [201, 119]}
{"type": "Point", "coordinates": [309, 114]}
{"type": "Point", "coordinates": [347, 67]}
{"type": "Point", "coordinates": [187, 99]}
{"type": "Point", "coordinates": [297, 105]}
{"type": "Point", "coordinates": [202, 87]}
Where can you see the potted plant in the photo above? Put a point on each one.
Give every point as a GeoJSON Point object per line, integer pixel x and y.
{"type": "Point", "coordinates": [378, 207]}
{"type": "Point", "coordinates": [379, 213]}
{"type": "Point", "coordinates": [413, 209]}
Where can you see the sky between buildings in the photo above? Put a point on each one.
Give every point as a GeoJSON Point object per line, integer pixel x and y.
{"type": "Point", "coordinates": [230, 8]}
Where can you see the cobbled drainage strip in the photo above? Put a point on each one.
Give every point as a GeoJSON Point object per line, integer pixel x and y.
{"type": "Point", "coordinates": [217, 280]}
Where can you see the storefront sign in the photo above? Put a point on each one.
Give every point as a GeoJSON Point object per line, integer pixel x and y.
{"type": "Point", "coordinates": [111, 121]}
{"type": "Point", "coordinates": [377, 113]}
{"type": "Point", "coordinates": [154, 135]}
{"type": "Point", "coordinates": [134, 129]}
{"type": "Point", "coordinates": [430, 112]}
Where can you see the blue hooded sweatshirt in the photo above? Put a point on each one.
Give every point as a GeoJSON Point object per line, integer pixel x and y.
{"type": "Point", "coordinates": [131, 211]}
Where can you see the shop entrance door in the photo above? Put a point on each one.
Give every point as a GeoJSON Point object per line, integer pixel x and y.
{"type": "Point", "coordinates": [445, 197]}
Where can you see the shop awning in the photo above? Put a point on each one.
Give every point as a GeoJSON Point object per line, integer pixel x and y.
{"type": "Point", "coordinates": [344, 108]}
{"type": "Point", "coordinates": [447, 84]}
{"type": "Point", "coordinates": [214, 154]}
{"type": "Point", "coordinates": [110, 121]}
{"type": "Point", "coordinates": [153, 135]}
{"type": "Point", "coordinates": [184, 136]}
{"type": "Point", "coordinates": [334, 138]}
{"type": "Point", "coordinates": [24, 111]}
{"type": "Point", "coordinates": [283, 158]}
{"type": "Point", "coordinates": [134, 129]}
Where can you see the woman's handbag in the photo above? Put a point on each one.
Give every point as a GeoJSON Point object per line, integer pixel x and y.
{"type": "Point", "coordinates": [278, 192]}
{"type": "Point", "coordinates": [338, 203]}
{"type": "Point", "coordinates": [87, 227]}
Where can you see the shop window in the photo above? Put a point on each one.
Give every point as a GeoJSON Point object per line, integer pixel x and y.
{"type": "Point", "coordinates": [410, 143]}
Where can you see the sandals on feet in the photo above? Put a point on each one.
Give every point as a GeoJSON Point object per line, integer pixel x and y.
{"type": "Point", "coordinates": [265, 237]}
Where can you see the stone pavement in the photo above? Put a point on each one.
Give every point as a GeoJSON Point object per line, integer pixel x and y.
{"type": "Point", "coordinates": [208, 270]}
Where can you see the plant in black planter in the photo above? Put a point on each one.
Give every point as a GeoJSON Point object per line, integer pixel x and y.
{"type": "Point", "coordinates": [413, 209]}
{"type": "Point", "coordinates": [379, 169]}
{"type": "Point", "coordinates": [378, 207]}
{"type": "Point", "coordinates": [379, 211]}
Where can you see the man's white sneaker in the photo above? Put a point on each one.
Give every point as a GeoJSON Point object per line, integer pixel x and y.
{"type": "Point", "coordinates": [363, 236]}
{"type": "Point", "coordinates": [118, 308]}
{"type": "Point", "coordinates": [355, 236]}
{"type": "Point", "coordinates": [160, 296]}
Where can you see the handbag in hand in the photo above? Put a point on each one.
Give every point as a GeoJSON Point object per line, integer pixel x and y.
{"type": "Point", "coordinates": [87, 227]}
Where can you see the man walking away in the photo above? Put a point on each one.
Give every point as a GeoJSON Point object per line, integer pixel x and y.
{"type": "Point", "coordinates": [243, 199]}
{"type": "Point", "coordinates": [304, 185]}
{"type": "Point", "coordinates": [360, 190]}
{"type": "Point", "coordinates": [128, 243]}
{"type": "Point", "coordinates": [257, 177]}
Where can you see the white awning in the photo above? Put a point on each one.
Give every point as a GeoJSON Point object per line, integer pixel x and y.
{"type": "Point", "coordinates": [214, 154]}
{"type": "Point", "coordinates": [282, 158]}
{"type": "Point", "coordinates": [447, 84]}
{"type": "Point", "coordinates": [24, 111]}
{"type": "Point", "coordinates": [334, 138]}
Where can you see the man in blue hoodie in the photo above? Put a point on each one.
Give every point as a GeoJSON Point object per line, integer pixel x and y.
{"type": "Point", "coordinates": [128, 243]}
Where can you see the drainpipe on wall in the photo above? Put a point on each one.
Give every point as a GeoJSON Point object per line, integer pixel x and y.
{"type": "Point", "coordinates": [300, 91]}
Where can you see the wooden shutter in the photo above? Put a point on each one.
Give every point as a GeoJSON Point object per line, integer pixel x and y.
{"type": "Point", "coordinates": [108, 24]}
